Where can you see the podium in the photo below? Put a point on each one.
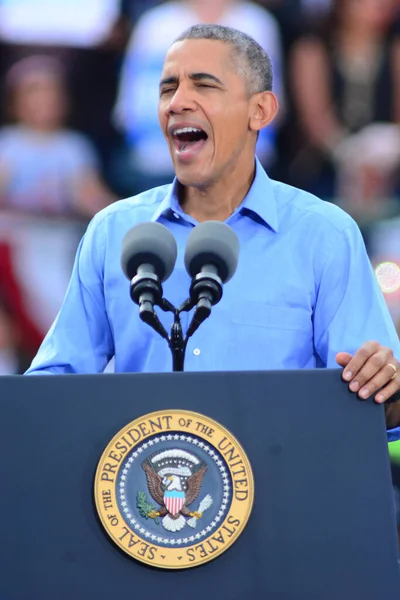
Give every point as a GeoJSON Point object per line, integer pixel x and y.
{"type": "Point", "coordinates": [322, 525]}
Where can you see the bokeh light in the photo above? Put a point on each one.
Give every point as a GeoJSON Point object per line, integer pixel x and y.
{"type": "Point", "coordinates": [388, 276]}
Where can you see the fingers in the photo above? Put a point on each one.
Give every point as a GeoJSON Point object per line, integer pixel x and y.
{"type": "Point", "coordinates": [343, 358]}
{"type": "Point", "coordinates": [388, 391]}
{"type": "Point", "coordinates": [365, 363]}
{"type": "Point", "coordinates": [369, 369]}
{"type": "Point", "coordinates": [383, 379]}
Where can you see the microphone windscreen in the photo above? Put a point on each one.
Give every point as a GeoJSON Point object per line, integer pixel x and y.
{"type": "Point", "coordinates": [212, 242]}
{"type": "Point", "coordinates": [150, 243]}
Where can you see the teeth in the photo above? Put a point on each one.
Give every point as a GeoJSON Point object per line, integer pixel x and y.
{"type": "Point", "coordinates": [186, 130]}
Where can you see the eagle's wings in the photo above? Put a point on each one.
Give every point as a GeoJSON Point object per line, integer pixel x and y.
{"type": "Point", "coordinates": [193, 485]}
{"type": "Point", "coordinates": [154, 483]}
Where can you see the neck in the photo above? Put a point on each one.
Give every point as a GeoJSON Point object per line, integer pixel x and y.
{"type": "Point", "coordinates": [359, 36]}
{"type": "Point", "coordinates": [41, 128]}
{"type": "Point", "coordinates": [217, 201]}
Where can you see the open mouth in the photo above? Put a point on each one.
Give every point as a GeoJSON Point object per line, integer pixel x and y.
{"type": "Point", "coordinates": [188, 140]}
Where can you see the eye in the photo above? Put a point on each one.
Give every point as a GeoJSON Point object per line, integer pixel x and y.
{"type": "Point", "coordinates": [205, 85]}
{"type": "Point", "coordinates": [165, 91]}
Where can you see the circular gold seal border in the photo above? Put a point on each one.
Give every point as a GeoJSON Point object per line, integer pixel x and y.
{"type": "Point", "coordinates": [167, 422]}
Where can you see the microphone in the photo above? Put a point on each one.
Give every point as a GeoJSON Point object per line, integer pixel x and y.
{"type": "Point", "coordinates": [211, 259]}
{"type": "Point", "coordinates": [148, 258]}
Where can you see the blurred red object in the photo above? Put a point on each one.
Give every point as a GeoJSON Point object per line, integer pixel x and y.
{"type": "Point", "coordinates": [29, 335]}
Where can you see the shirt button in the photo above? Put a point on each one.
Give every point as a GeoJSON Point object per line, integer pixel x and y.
{"type": "Point", "coordinates": [196, 352]}
{"type": "Point", "coordinates": [176, 216]}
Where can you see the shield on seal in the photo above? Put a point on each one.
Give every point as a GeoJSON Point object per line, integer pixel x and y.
{"type": "Point", "coordinates": [174, 501]}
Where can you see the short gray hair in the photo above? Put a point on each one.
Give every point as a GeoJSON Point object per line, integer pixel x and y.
{"type": "Point", "coordinates": [255, 64]}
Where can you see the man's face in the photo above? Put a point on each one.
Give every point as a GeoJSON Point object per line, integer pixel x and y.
{"type": "Point", "coordinates": [204, 111]}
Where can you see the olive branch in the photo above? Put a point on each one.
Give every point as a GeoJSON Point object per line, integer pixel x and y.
{"type": "Point", "coordinates": [145, 507]}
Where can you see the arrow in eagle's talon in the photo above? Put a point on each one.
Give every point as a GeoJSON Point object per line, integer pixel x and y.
{"type": "Point", "coordinates": [196, 514]}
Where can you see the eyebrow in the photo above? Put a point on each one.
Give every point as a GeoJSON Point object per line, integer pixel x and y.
{"type": "Point", "coordinates": [193, 77]}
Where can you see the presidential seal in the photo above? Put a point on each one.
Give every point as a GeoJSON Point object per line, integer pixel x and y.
{"type": "Point", "coordinates": [174, 489]}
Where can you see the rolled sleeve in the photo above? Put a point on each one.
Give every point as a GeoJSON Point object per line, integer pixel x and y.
{"type": "Point", "coordinates": [350, 308]}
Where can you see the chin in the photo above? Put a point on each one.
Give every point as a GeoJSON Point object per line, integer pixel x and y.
{"type": "Point", "coordinates": [190, 176]}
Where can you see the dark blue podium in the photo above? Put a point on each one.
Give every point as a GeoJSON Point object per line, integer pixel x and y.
{"type": "Point", "coordinates": [322, 525]}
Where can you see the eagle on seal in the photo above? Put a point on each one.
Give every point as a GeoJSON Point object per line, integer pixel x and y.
{"type": "Point", "coordinates": [172, 497]}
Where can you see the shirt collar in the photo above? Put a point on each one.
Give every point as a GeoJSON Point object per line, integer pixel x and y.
{"type": "Point", "coordinates": [260, 200]}
{"type": "Point", "coordinates": [170, 203]}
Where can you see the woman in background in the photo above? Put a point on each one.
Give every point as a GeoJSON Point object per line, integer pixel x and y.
{"type": "Point", "coordinates": [50, 186]}
{"type": "Point", "coordinates": [46, 168]}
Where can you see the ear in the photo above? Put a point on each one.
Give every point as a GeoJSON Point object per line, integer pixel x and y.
{"type": "Point", "coordinates": [264, 107]}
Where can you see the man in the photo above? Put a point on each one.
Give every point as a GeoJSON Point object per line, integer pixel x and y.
{"type": "Point", "coordinates": [136, 106]}
{"type": "Point", "coordinates": [304, 294]}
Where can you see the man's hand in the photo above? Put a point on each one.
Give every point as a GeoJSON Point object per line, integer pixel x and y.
{"type": "Point", "coordinates": [373, 368]}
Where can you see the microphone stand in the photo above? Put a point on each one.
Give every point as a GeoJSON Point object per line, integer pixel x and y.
{"type": "Point", "coordinates": [176, 341]}
{"type": "Point", "coordinates": [177, 344]}
{"type": "Point", "coordinates": [205, 291]}
{"type": "Point", "coordinates": [146, 292]}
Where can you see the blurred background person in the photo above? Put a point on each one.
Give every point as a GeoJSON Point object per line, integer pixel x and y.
{"type": "Point", "coordinates": [88, 38]}
{"type": "Point", "coordinates": [345, 80]}
{"type": "Point", "coordinates": [50, 187]}
{"type": "Point", "coordinates": [147, 162]}
{"type": "Point", "coordinates": [292, 16]}
{"type": "Point", "coordinates": [44, 167]}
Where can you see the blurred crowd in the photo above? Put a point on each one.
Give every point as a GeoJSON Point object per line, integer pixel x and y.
{"type": "Point", "coordinates": [79, 129]}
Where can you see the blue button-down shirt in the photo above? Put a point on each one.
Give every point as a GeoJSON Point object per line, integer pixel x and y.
{"type": "Point", "coordinates": [304, 290]}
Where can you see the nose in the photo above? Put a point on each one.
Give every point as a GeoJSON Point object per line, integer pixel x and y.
{"type": "Point", "coordinates": [182, 100]}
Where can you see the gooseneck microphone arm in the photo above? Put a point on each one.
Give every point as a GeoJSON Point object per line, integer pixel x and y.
{"type": "Point", "coordinates": [205, 291]}
{"type": "Point", "coordinates": [146, 291]}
